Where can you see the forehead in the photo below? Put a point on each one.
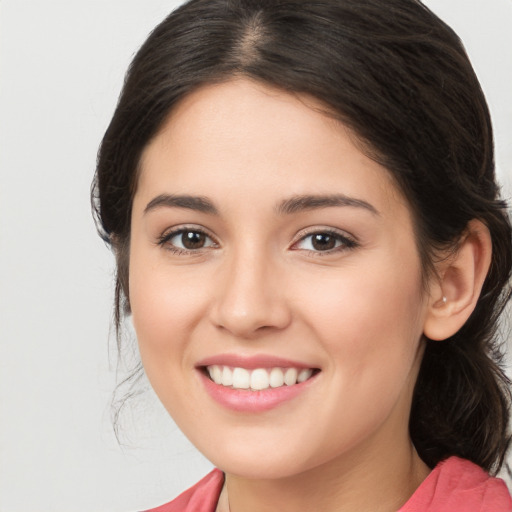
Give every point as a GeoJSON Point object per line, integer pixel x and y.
{"type": "Point", "coordinates": [241, 135]}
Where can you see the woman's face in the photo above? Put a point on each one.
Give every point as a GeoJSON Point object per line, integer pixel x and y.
{"type": "Point", "coordinates": [268, 251]}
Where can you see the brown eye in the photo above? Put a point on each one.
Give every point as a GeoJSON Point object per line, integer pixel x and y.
{"type": "Point", "coordinates": [183, 240]}
{"type": "Point", "coordinates": [193, 239]}
{"type": "Point", "coordinates": [323, 242]}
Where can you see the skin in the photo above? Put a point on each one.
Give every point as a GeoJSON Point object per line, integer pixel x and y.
{"type": "Point", "coordinates": [258, 286]}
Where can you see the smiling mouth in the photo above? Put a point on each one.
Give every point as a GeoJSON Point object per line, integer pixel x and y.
{"type": "Point", "coordinates": [258, 379]}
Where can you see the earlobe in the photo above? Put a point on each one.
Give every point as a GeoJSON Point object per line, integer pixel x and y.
{"type": "Point", "coordinates": [455, 293]}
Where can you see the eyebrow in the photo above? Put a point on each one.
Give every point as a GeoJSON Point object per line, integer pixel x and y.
{"type": "Point", "coordinates": [288, 206]}
{"type": "Point", "coordinates": [197, 203]}
{"type": "Point", "coordinates": [312, 202]}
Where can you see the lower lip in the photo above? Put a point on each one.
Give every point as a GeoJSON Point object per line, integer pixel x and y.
{"type": "Point", "coordinates": [241, 400]}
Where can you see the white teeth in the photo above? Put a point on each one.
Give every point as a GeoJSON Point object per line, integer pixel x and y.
{"type": "Point", "coordinates": [227, 376]}
{"type": "Point", "coordinates": [258, 379]}
{"type": "Point", "coordinates": [241, 378]}
{"type": "Point", "coordinates": [215, 374]}
{"type": "Point", "coordinates": [276, 378]}
{"type": "Point", "coordinates": [290, 376]}
{"type": "Point", "coordinates": [304, 374]}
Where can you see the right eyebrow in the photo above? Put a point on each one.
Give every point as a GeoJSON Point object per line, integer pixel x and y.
{"type": "Point", "coordinates": [197, 203]}
{"type": "Point", "coordinates": [313, 202]}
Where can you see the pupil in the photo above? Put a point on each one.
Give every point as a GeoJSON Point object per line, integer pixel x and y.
{"type": "Point", "coordinates": [323, 242]}
{"type": "Point", "coordinates": [192, 239]}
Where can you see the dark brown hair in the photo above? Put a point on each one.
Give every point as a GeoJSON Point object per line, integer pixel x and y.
{"type": "Point", "coordinates": [400, 79]}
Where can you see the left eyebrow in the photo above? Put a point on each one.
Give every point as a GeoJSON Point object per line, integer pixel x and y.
{"type": "Point", "coordinates": [312, 202]}
{"type": "Point", "coordinates": [197, 203]}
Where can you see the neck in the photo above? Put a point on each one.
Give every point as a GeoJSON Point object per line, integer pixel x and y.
{"type": "Point", "coordinates": [382, 482]}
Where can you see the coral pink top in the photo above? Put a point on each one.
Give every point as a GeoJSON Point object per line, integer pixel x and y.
{"type": "Point", "coordinates": [454, 485]}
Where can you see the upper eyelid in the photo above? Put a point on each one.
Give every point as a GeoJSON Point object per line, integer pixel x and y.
{"type": "Point", "coordinates": [305, 232]}
{"type": "Point", "coordinates": [186, 227]}
{"type": "Point", "coordinates": [171, 232]}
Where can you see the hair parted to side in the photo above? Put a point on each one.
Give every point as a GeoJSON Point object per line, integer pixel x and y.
{"type": "Point", "coordinates": [400, 79]}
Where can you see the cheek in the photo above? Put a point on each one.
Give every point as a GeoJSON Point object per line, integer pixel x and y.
{"type": "Point", "coordinates": [369, 315]}
{"type": "Point", "coordinates": [165, 306]}
{"type": "Point", "coordinates": [370, 331]}
{"type": "Point", "coordinates": [166, 312]}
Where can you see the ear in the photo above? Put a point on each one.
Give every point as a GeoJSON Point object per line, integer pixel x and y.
{"type": "Point", "coordinates": [455, 292]}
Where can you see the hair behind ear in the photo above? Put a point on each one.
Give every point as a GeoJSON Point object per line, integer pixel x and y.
{"type": "Point", "coordinates": [461, 403]}
{"type": "Point", "coordinates": [460, 406]}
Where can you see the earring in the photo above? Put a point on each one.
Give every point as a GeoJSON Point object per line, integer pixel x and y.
{"type": "Point", "coordinates": [442, 302]}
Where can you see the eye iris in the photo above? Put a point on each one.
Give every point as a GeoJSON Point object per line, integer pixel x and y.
{"type": "Point", "coordinates": [193, 240]}
{"type": "Point", "coordinates": [323, 242]}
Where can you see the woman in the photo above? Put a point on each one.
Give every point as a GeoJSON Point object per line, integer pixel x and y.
{"type": "Point", "coordinates": [309, 238]}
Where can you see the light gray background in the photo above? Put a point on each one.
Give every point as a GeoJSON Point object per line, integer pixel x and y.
{"type": "Point", "coordinates": [61, 69]}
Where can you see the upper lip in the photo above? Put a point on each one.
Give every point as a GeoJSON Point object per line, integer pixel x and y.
{"type": "Point", "coordinates": [251, 362]}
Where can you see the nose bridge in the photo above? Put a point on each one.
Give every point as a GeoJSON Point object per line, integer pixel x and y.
{"type": "Point", "coordinates": [250, 295]}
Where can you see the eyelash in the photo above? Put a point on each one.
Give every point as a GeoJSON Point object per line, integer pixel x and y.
{"type": "Point", "coordinates": [165, 240]}
{"type": "Point", "coordinates": [345, 243]}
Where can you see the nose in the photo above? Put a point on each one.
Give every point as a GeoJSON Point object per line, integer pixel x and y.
{"type": "Point", "coordinates": [251, 298]}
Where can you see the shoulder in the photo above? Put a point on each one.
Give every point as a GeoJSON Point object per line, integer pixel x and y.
{"type": "Point", "coordinates": [202, 497]}
{"type": "Point", "coordinates": [458, 484]}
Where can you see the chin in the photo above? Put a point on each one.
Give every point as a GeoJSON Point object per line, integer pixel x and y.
{"type": "Point", "coordinates": [261, 461]}
{"type": "Point", "coordinates": [261, 468]}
